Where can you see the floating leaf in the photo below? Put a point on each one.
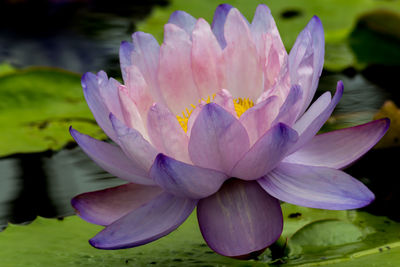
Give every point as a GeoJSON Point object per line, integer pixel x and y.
{"type": "Point", "coordinates": [50, 242]}
{"type": "Point", "coordinates": [392, 137]}
{"type": "Point", "coordinates": [37, 107]}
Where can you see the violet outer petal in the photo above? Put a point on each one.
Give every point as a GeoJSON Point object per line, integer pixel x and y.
{"type": "Point", "coordinates": [150, 222]}
{"type": "Point", "coordinates": [183, 20]}
{"type": "Point", "coordinates": [185, 180]}
{"type": "Point", "coordinates": [217, 140]}
{"type": "Point", "coordinates": [219, 22]}
{"type": "Point", "coordinates": [140, 152]}
{"type": "Point", "coordinates": [306, 60]}
{"type": "Point", "coordinates": [94, 86]}
{"type": "Point", "coordinates": [125, 57]}
{"type": "Point", "coordinates": [103, 207]}
{"type": "Point", "coordinates": [240, 220]}
{"type": "Point", "coordinates": [310, 123]}
{"type": "Point", "coordinates": [338, 149]}
{"type": "Point", "coordinates": [316, 187]}
{"type": "Point", "coordinates": [111, 158]}
{"type": "Point", "coordinates": [266, 153]}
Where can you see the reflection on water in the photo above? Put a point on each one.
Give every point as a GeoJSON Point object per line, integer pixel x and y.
{"type": "Point", "coordinates": [42, 184]}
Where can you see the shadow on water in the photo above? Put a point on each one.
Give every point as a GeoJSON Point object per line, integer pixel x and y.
{"type": "Point", "coordinates": [42, 184]}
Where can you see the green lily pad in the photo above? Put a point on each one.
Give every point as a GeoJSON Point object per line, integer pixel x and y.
{"type": "Point", "coordinates": [339, 18]}
{"type": "Point", "coordinates": [51, 242]}
{"type": "Point", "coordinates": [37, 107]}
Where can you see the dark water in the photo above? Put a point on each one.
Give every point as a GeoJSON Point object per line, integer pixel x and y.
{"type": "Point", "coordinates": [85, 36]}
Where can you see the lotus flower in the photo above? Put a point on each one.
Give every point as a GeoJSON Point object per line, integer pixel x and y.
{"type": "Point", "coordinates": [218, 118]}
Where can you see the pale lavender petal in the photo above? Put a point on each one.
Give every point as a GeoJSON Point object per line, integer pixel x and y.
{"type": "Point", "coordinates": [266, 153]}
{"type": "Point", "coordinates": [111, 158]}
{"type": "Point", "coordinates": [150, 222]}
{"type": "Point", "coordinates": [316, 187]}
{"type": "Point", "coordinates": [219, 22]}
{"type": "Point", "coordinates": [140, 152]}
{"type": "Point", "coordinates": [185, 180]}
{"type": "Point", "coordinates": [183, 20]}
{"type": "Point", "coordinates": [125, 57]}
{"type": "Point", "coordinates": [193, 117]}
{"type": "Point", "coordinates": [306, 60]}
{"type": "Point", "coordinates": [240, 219]}
{"type": "Point", "coordinates": [104, 207]}
{"type": "Point", "coordinates": [315, 117]}
{"type": "Point", "coordinates": [244, 72]}
{"type": "Point", "coordinates": [207, 61]}
{"type": "Point", "coordinates": [225, 100]}
{"type": "Point", "coordinates": [175, 73]}
{"type": "Point", "coordinates": [146, 57]}
{"type": "Point", "coordinates": [290, 108]}
{"type": "Point", "coordinates": [166, 134]}
{"type": "Point", "coordinates": [218, 140]}
{"type": "Point", "coordinates": [258, 119]}
{"type": "Point", "coordinates": [101, 94]}
{"type": "Point", "coordinates": [338, 149]}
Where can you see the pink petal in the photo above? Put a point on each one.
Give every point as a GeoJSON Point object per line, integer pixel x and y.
{"type": "Point", "coordinates": [342, 147]}
{"type": "Point", "coordinates": [219, 22]}
{"type": "Point", "coordinates": [150, 222]}
{"type": "Point", "coordinates": [175, 73]}
{"type": "Point", "coordinates": [138, 90]}
{"type": "Point", "coordinates": [217, 140]}
{"type": "Point", "coordinates": [207, 60]}
{"type": "Point", "coordinates": [183, 20]}
{"type": "Point", "coordinates": [244, 74]}
{"type": "Point", "coordinates": [104, 207]}
{"type": "Point", "coordinates": [316, 187]}
{"type": "Point", "coordinates": [306, 60]}
{"type": "Point", "coordinates": [146, 57]}
{"type": "Point", "coordinates": [241, 219]}
{"type": "Point", "coordinates": [101, 94]}
{"type": "Point", "coordinates": [258, 119]}
{"type": "Point", "coordinates": [140, 152]}
{"type": "Point", "coordinates": [184, 180]}
{"type": "Point", "coordinates": [130, 112]}
{"type": "Point", "coordinates": [315, 117]}
{"type": "Point", "coordinates": [111, 158]}
{"type": "Point", "coordinates": [266, 153]}
{"type": "Point", "coordinates": [193, 117]}
{"type": "Point", "coordinates": [166, 134]}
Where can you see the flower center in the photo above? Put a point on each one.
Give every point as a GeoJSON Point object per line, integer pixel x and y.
{"type": "Point", "coordinates": [240, 104]}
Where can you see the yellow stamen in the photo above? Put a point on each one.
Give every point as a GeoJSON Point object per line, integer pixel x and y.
{"type": "Point", "coordinates": [240, 105]}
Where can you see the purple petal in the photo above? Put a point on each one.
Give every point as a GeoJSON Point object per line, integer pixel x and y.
{"type": "Point", "coordinates": [111, 158]}
{"type": "Point", "coordinates": [185, 180]}
{"type": "Point", "coordinates": [101, 94]}
{"type": "Point", "coordinates": [166, 133]}
{"type": "Point", "coordinates": [219, 22]}
{"type": "Point", "coordinates": [183, 20]}
{"type": "Point", "coordinates": [125, 57]}
{"type": "Point", "coordinates": [290, 108]}
{"type": "Point", "coordinates": [150, 222]}
{"type": "Point", "coordinates": [316, 187]}
{"type": "Point", "coordinates": [315, 117]}
{"type": "Point", "coordinates": [306, 60]}
{"type": "Point", "coordinates": [224, 99]}
{"type": "Point", "coordinates": [217, 140]}
{"type": "Point", "coordinates": [104, 207]}
{"type": "Point", "coordinates": [240, 219]}
{"type": "Point", "coordinates": [140, 152]}
{"type": "Point", "coordinates": [266, 153]}
{"type": "Point", "coordinates": [342, 147]}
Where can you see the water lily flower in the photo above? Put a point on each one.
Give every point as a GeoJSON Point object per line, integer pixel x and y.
{"type": "Point", "coordinates": [219, 118]}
